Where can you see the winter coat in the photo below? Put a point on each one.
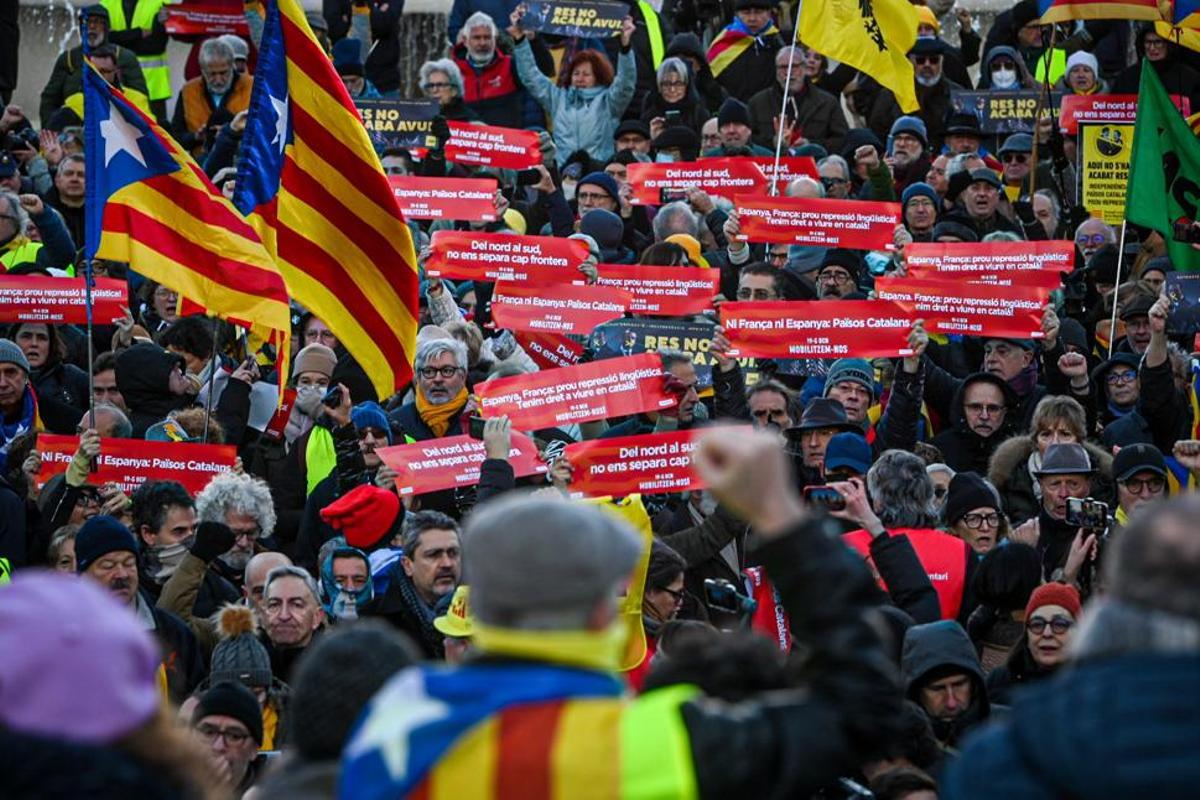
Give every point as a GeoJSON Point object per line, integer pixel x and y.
{"type": "Point", "coordinates": [403, 608]}
{"type": "Point", "coordinates": [583, 119]}
{"type": "Point", "coordinates": [66, 78]}
{"type": "Point", "coordinates": [1019, 670]}
{"type": "Point", "coordinates": [933, 647]}
{"type": "Point", "coordinates": [711, 92]}
{"type": "Point", "coordinates": [194, 593]}
{"type": "Point", "coordinates": [1104, 729]}
{"type": "Point", "coordinates": [692, 112]}
{"type": "Point", "coordinates": [382, 66]}
{"type": "Point", "coordinates": [818, 116]}
{"type": "Point", "coordinates": [143, 376]}
{"type": "Point", "coordinates": [493, 94]}
{"type": "Point", "coordinates": [1008, 471]}
{"type": "Point", "coordinates": [181, 654]}
{"type": "Point", "coordinates": [65, 383]}
{"type": "Point", "coordinates": [963, 449]}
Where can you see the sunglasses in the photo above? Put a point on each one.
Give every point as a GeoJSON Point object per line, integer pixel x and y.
{"type": "Point", "coordinates": [1058, 625]}
{"type": "Point", "coordinates": [1020, 158]}
{"type": "Point", "coordinates": [927, 60]}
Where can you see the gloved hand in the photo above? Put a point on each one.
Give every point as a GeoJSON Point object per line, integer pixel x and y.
{"type": "Point", "coordinates": [441, 131]}
{"type": "Point", "coordinates": [81, 463]}
{"type": "Point", "coordinates": [212, 539]}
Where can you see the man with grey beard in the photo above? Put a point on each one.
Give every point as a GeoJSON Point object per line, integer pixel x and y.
{"type": "Point", "coordinates": [244, 504]}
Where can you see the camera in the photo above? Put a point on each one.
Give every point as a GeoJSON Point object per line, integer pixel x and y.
{"type": "Point", "coordinates": [1187, 231]}
{"type": "Point", "coordinates": [1087, 513]}
{"type": "Point", "coordinates": [721, 595]}
{"type": "Point", "coordinates": [826, 497]}
{"type": "Point", "coordinates": [671, 195]}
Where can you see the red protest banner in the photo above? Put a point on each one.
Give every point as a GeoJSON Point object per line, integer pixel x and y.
{"type": "Point", "coordinates": [549, 350]}
{"type": "Point", "coordinates": [933, 258]}
{"type": "Point", "coordinates": [556, 307]}
{"type": "Point", "coordinates": [131, 462]}
{"type": "Point", "coordinates": [41, 298]}
{"type": "Point", "coordinates": [1120, 109]}
{"type": "Point", "coordinates": [502, 256]}
{"type": "Point", "coordinates": [189, 19]}
{"type": "Point", "coordinates": [817, 329]}
{"type": "Point", "coordinates": [656, 184]}
{"type": "Point", "coordinates": [492, 146]}
{"type": "Point", "coordinates": [665, 291]}
{"type": "Point", "coordinates": [452, 461]}
{"type": "Point", "coordinates": [651, 463]}
{"type": "Point", "coordinates": [469, 199]}
{"type": "Point", "coordinates": [969, 309]}
{"type": "Point", "coordinates": [790, 168]}
{"type": "Point", "coordinates": [610, 388]}
{"type": "Point", "coordinates": [854, 224]}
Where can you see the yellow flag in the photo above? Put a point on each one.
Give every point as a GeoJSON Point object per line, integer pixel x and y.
{"type": "Point", "coordinates": [873, 36]}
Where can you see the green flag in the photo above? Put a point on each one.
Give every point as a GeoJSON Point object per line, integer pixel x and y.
{"type": "Point", "coordinates": [1164, 173]}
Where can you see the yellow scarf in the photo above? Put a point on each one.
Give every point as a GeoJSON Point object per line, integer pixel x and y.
{"type": "Point", "coordinates": [587, 649]}
{"type": "Point", "coordinates": [437, 417]}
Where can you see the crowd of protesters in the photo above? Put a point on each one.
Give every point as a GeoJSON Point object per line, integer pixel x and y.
{"type": "Point", "coordinates": [996, 595]}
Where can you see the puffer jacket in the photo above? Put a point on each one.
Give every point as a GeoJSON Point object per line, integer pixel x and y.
{"type": "Point", "coordinates": [583, 119]}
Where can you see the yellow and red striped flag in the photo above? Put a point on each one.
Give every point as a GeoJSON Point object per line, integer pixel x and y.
{"type": "Point", "coordinates": [310, 183]}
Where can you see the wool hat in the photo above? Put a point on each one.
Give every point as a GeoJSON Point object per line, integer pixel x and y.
{"type": "Point", "coordinates": [950, 227]}
{"type": "Point", "coordinates": [632, 126]}
{"type": "Point", "coordinates": [231, 699]}
{"type": "Point", "coordinates": [919, 189]}
{"type": "Point", "coordinates": [606, 228]}
{"type": "Point", "coordinates": [239, 656]}
{"type": "Point", "coordinates": [368, 414]}
{"type": "Point", "coordinates": [846, 259]}
{"type": "Point", "coordinates": [1065, 459]}
{"type": "Point", "coordinates": [1054, 594]}
{"type": "Point", "coordinates": [914, 126]}
{"type": "Point", "coordinates": [347, 57]}
{"type": "Point", "coordinates": [1082, 58]}
{"type": "Point", "coordinates": [1017, 143]}
{"type": "Point", "coordinates": [743, 5]}
{"type": "Point", "coordinates": [525, 556]}
{"type": "Point", "coordinates": [77, 665]}
{"type": "Point", "coordinates": [10, 353]}
{"type": "Point", "coordinates": [100, 536]}
{"type": "Point", "coordinates": [848, 450]}
{"type": "Point", "coordinates": [928, 46]}
{"type": "Point", "coordinates": [315, 358]}
{"type": "Point", "coordinates": [96, 10]}
{"type": "Point", "coordinates": [963, 122]}
{"type": "Point", "coordinates": [925, 16]}
{"type": "Point", "coordinates": [604, 181]}
{"type": "Point", "coordinates": [364, 515]}
{"type": "Point", "coordinates": [1071, 332]}
{"type": "Point", "coordinates": [986, 176]}
{"type": "Point", "coordinates": [456, 622]}
{"type": "Point", "coordinates": [1134, 458]}
{"type": "Point", "coordinates": [858, 370]}
{"type": "Point", "coordinates": [679, 138]}
{"type": "Point", "coordinates": [969, 490]}
{"type": "Point", "coordinates": [733, 110]}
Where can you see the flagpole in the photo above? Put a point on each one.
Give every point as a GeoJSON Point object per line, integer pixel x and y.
{"type": "Point", "coordinates": [88, 275]}
{"type": "Point", "coordinates": [212, 374]}
{"type": "Point", "coordinates": [1043, 99]}
{"type": "Point", "coordinates": [1112, 325]}
{"type": "Point", "coordinates": [787, 80]}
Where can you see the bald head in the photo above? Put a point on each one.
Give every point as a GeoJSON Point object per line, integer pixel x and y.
{"type": "Point", "coordinates": [257, 570]}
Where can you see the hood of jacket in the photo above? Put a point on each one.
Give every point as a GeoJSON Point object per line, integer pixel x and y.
{"type": "Point", "coordinates": [935, 646]}
{"type": "Point", "coordinates": [959, 419]}
{"type": "Point", "coordinates": [143, 376]}
{"type": "Point", "coordinates": [688, 44]}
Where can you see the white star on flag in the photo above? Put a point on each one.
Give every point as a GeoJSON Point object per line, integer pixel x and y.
{"type": "Point", "coordinates": [398, 709]}
{"type": "Point", "coordinates": [281, 121]}
{"type": "Point", "coordinates": [119, 135]}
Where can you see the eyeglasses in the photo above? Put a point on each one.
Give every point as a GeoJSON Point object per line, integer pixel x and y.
{"type": "Point", "coordinates": [755, 294]}
{"type": "Point", "coordinates": [429, 87]}
{"type": "Point", "coordinates": [830, 276]}
{"type": "Point", "coordinates": [933, 60]}
{"type": "Point", "coordinates": [781, 255]}
{"type": "Point", "coordinates": [1113, 378]}
{"type": "Point", "coordinates": [1139, 485]}
{"type": "Point", "coordinates": [976, 521]}
{"type": "Point", "coordinates": [678, 596]}
{"type": "Point", "coordinates": [830, 183]}
{"type": "Point", "coordinates": [429, 373]}
{"type": "Point", "coordinates": [1095, 238]}
{"type": "Point", "coordinates": [1019, 158]}
{"type": "Point", "coordinates": [673, 84]}
{"type": "Point", "coordinates": [979, 408]}
{"type": "Point", "coordinates": [1058, 625]}
{"type": "Point", "coordinates": [249, 533]}
{"type": "Point", "coordinates": [592, 197]}
{"type": "Point", "coordinates": [232, 736]}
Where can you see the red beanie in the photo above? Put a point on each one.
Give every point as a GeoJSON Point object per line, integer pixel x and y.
{"type": "Point", "coordinates": [363, 515]}
{"type": "Point", "coordinates": [1054, 594]}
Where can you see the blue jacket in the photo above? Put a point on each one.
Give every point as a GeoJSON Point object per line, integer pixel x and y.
{"type": "Point", "coordinates": [1113, 728]}
{"type": "Point", "coordinates": [583, 119]}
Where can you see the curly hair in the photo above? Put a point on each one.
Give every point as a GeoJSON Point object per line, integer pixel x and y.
{"type": "Point", "coordinates": [601, 67]}
{"type": "Point", "coordinates": [241, 494]}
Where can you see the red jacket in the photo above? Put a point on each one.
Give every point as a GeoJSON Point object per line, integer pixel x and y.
{"type": "Point", "coordinates": [943, 556]}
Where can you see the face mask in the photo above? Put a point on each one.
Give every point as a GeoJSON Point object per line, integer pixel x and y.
{"type": "Point", "coordinates": [344, 606]}
{"type": "Point", "coordinates": [568, 190]}
{"type": "Point", "coordinates": [1004, 78]}
{"type": "Point", "coordinates": [161, 562]}
{"type": "Point", "coordinates": [924, 80]}
{"type": "Point", "coordinates": [708, 503]}
{"type": "Point", "coordinates": [236, 561]}
{"type": "Point", "coordinates": [664, 158]}
{"type": "Point", "coordinates": [308, 399]}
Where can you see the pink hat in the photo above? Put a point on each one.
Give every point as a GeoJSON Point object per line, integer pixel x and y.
{"type": "Point", "coordinates": [75, 663]}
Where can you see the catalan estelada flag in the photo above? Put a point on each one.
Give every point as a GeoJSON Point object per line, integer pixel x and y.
{"type": "Point", "coordinates": [309, 181]}
{"type": "Point", "coordinates": [732, 42]}
{"type": "Point", "coordinates": [1063, 10]}
{"type": "Point", "coordinates": [150, 205]}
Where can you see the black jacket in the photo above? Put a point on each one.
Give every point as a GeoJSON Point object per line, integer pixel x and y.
{"type": "Point", "coordinates": [184, 665]}
{"type": "Point", "coordinates": [711, 92]}
{"type": "Point", "coordinates": [817, 113]}
{"type": "Point", "coordinates": [64, 383]}
{"type": "Point", "coordinates": [401, 606]}
{"type": "Point", "coordinates": [143, 376]}
{"type": "Point", "coordinates": [962, 448]}
{"type": "Point", "coordinates": [383, 62]}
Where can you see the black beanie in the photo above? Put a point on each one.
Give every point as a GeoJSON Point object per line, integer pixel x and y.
{"type": "Point", "coordinates": [229, 699]}
{"type": "Point", "coordinates": [968, 490]}
{"type": "Point", "coordinates": [100, 536]}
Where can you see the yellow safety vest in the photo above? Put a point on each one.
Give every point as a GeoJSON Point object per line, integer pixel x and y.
{"type": "Point", "coordinates": [75, 101]}
{"type": "Point", "coordinates": [154, 66]}
{"type": "Point", "coordinates": [654, 31]}
{"type": "Point", "coordinates": [25, 253]}
{"type": "Point", "coordinates": [1058, 66]}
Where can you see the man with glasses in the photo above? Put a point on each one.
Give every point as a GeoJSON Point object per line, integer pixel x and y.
{"type": "Point", "coordinates": [243, 503]}
{"type": "Point", "coordinates": [983, 418]}
{"type": "Point", "coordinates": [1016, 154]}
{"type": "Point", "coordinates": [1141, 475]}
{"type": "Point", "coordinates": [492, 92]}
{"type": "Point", "coordinates": [228, 720]}
{"type": "Point", "coordinates": [1092, 235]}
{"type": "Point", "coordinates": [439, 406]}
{"type": "Point", "coordinates": [810, 112]}
{"type": "Point", "coordinates": [835, 176]}
{"type": "Point", "coordinates": [933, 92]}
{"type": "Point", "coordinates": [838, 275]}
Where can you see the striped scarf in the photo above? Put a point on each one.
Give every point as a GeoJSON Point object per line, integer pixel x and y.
{"type": "Point", "coordinates": [732, 42]}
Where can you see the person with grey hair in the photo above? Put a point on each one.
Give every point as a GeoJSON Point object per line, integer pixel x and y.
{"type": "Point", "coordinates": [423, 580]}
{"type": "Point", "coordinates": [808, 108]}
{"type": "Point", "coordinates": [111, 422]}
{"type": "Point", "coordinates": [440, 395]}
{"type": "Point", "coordinates": [442, 80]}
{"type": "Point", "coordinates": [292, 617]}
{"type": "Point", "coordinates": [549, 621]}
{"type": "Point", "coordinates": [673, 218]}
{"type": "Point", "coordinates": [1048, 211]}
{"type": "Point", "coordinates": [1131, 673]}
{"type": "Point", "coordinates": [804, 186]}
{"type": "Point", "coordinates": [207, 102]}
{"type": "Point", "coordinates": [674, 102]}
{"type": "Point", "coordinates": [17, 249]}
{"type": "Point", "coordinates": [244, 503]}
{"type": "Point", "coordinates": [491, 90]}
{"type": "Point", "coordinates": [835, 176]}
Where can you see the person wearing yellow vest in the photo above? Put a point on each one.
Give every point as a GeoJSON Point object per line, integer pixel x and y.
{"type": "Point", "coordinates": [105, 60]}
{"type": "Point", "coordinates": [139, 26]}
{"type": "Point", "coordinates": [208, 102]}
{"type": "Point", "coordinates": [19, 252]}
{"type": "Point", "coordinates": [541, 713]}
{"type": "Point", "coordinates": [67, 76]}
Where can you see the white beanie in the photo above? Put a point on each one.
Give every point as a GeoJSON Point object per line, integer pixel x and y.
{"type": "Point", "coordinates": [1083, 58]}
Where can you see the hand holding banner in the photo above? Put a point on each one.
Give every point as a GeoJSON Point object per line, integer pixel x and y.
{"type": "Point", "coordinates": [592, 19]}
{"type": "Point", "coordinates": [131, 462]}
{"type": "Point", "coordinates": [853, 224]}
{"type": "Point", "coordinates": [817, 329]}
{"type": "Point", "coordinates": [969, 309]}
{"type": "Point", "coordinates": [500, 256]}
{"type": "Point", "coordinates": [493, 146]}
{"type": "Point", "coordinates": [582, 393]}
{"type": "Point", "coordinates": [55, 301]}
{"type": "Point", "coordinates": [665, 291]}
{"type": "Point", "coordinates": [467, 199]}
{"type": "Point", "coordinates": [658, 184]}
{"type": "Point", "coordinates": [549, 350]}
{"type": "Point", "coordinates": [452, 461]}
{"type": "Point", "coordinates": [559, 308]}
{"type": "Point", "coordinates": [399, 123]}
{"type": "Point", "coordinates": [652, 463]}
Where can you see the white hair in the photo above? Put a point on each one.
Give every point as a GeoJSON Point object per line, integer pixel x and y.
{"type": "Point", "coordinates": [793, 189]}
{"type": "Point", "coordinates": [215, 50]}
{"type": "Point", "coordinates": [446, 66]}
{"type": "Point", "coordinates": [241, 494]}
{"type": "Point", "coordinates": [666, 221]}
{"type": "Point", "coordinates": [673, 66]}
{"type": "Point", "coordinates": [480, 20]}
{"type": "Point", "coordinates": [432, 348]}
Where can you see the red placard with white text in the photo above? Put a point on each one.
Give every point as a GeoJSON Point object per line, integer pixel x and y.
{"type": "Point", "coordinates": [478, 256]}
{"type": "Point", "coordinates": [614, 387]}
{"type": "Point", "coordinates": [556, 307]}
{"type": "Point", "coordinates": [663, 291]}
{"type": "Point", "coordinates": [131, 462]}
{"type": "Point", "coordinates": [493, 146]}
{"type": "Point", "coordinates": [467, 199]}
{"type": "Point", "coordinates": [657, 184]}
{"type": "Point", "coordinates": [936, 259]}
{"type": "Point", "coordinates": [452, 461]}
{"type": "Point", "coordinates": [190, 19]}
{"type": "Point", "coordinates": [817, 329]}
{"type": "Point", "coordinates": [549, 350]}
{"type": "Point", "coordinates": [820, 222]}
{"type": "Point", "coordinates": [652, 463]}
{"type": "Point", "coordinates": [790, 168]}
{"type": "Point", "coordinates": [969, 309]}
{"type": "Point", "coordinates": [1118, 109]}
{"type": "Point", "coordinates": [41, 298]}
